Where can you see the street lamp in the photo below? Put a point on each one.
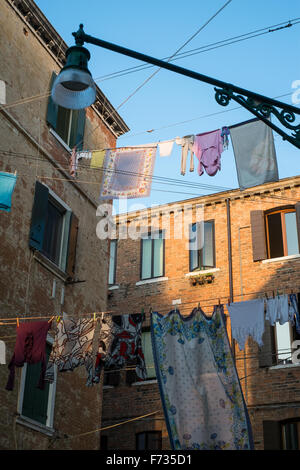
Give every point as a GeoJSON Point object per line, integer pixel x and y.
{"type": "Point", "coordinates": [74, 87]}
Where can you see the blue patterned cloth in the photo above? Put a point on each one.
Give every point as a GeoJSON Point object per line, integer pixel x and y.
{"type": "Point", "coordinates": [7, 186]}
{"type": "Point", "coordinates": [200, 391]}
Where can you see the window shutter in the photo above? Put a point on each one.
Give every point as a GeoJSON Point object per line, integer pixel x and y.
{"type": "Point", "coordinates": [52, 109]}
{"type": "Point", "coordinates": [39, 216]}
{"type": "Point", "coordinates": [258, 232]}
{"type": "Point", "coordinates": [272, 435]}
{"type": "Point", "coordinates": [267, 353]}
{"type": "Point", "coordinates": [72, 245]}
{"type": "Point", "coordinates": [297, 208]}
{"type": "Point", "coordinates": [131, 377]}
{"type": "Point", "coordinates": [80, 129]}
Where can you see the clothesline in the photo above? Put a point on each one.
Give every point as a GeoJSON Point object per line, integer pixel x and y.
{"type": "Point", "coordinates": [274, 292]}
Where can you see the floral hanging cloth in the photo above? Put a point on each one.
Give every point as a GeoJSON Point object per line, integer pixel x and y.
{"type": "Point", "coordinates": [126, 346]}
{"type": "Point", "coordinates": [200, 391]}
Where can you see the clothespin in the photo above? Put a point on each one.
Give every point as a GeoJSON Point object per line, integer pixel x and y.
{"type": "Point", "coordinates": [58, 318]}
{"type": "Point", "coordinates": [94, 316]}
{"type": "Point", "coordinates": [49, 321]}
{"type": "Point", "coordinates": [15, 173]}
{"type": "Point", "coordinates": [198, 304]}
{"type": "Point", "coordinates": [18, 324]}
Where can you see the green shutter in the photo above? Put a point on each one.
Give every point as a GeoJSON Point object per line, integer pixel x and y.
{"type": "Point", "coordinates": [35, 400]}
{"type": "Point", "coordinates": [52, 109]}
{"type": "Point", "coordinates": [39, 216]}
{"type": "Point", "coordinates": [73, 233]}
{"type": "Point", "coordinates": [80, 129]}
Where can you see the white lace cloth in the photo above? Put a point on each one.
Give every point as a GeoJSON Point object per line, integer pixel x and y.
{"type": "Point", "coordinates": [247, 319]}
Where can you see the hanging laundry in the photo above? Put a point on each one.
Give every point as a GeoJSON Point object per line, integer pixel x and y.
{"type": "Point", "coordinates": [294, 311]}
{"type": "Point", "coordinates": [86, 154]}
{"type": "Point", "coordinates": [126, 346]}
{"type": "Point", "coordinates": [73, 163]}
{"type": "Point", "coordinates": [128, 172]}
{"type": "Point", "coordinates": [225, 139]}
{"type": "Point", "coordinates": [97, 159]}
{"type": "Point", "coordinates": [30, 347]}
{"type": "Point", "coordinates": [201, 395]}
{"type": "Point", "coordinates": [254, 152]}
{"type": "Point", "coordinates": [2, 353]}
{"type": "Point", "coordinates": [165, 148]}
{"type": "Point", "coordinates": [72, 347]}
{"type": "Point", "coordinates": [277, 310]}
{"type": "Point", "coordinates": [105, 339]}
{"type": "Point", "coordinates": [7, 186]}
{"type": "Point", "coordinates": [187, 145]}
{"type": "Point", "coordinates": [247, 319]}
{"type": "Point", "coordinates": [208, 148]}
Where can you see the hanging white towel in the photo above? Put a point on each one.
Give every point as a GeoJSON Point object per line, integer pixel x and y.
{"type": "Point", "coordinates": [165, 148]}
{"type": "Point", "coordinates": [247, 319]}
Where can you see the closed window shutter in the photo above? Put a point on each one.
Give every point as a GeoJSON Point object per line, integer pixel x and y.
{"type": "Point", "coordinates": [267, 353]}
{"type": "Point", "coordinates": [80, 130]}
{"type": "Point", "coordinates": [258, 232]}
{"type": "Point", "coordinates": [35, 400]}
{"type": "Point", "coordinates": [39, 216]}
{"type": "Point", "coordinates": [73, 233]}
{"type": "Point", "coordinates": [297, 208]}
{"type": "Point", "coordinates": [272, 435]}
{"type": "Point", "coordinates": [52, 108]}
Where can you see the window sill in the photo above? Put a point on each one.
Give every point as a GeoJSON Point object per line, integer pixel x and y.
{"type": "Point", "coordinates": [30, 423]}
{"type": "Point", "coordinates": [282, 258]}
{"type": "Point", "coordinates": [203, 272]}
{"type": "Point", "coordinates": [107, 387]}
{"type": "Point", "coordinates": [150, 281]}
{"type": "Point", "coordinates": [145, 382]}
{"type": "Point", "coordinates": [284, 366]}
{"type": "Point", "coordinates": [40, 258]}
{"type": "Point", "coordinates": [114, 287]}
{"type": "Point", "coordinates": [66, 147]}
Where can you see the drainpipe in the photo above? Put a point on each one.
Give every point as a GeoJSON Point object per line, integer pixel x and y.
{"type": "Point", "coordinates": [230, 264]}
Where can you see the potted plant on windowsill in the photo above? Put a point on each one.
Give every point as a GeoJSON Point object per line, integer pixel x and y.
{"type": "Point", "coordinates": [202, 278]}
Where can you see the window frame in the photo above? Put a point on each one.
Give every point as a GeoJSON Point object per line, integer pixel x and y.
{"type": "Point", "coordinates": [147, 433]}
{"type": "Point", "coordinates": [149, 233]}
{"type": "Point", "coordinates": [23, 419]}
{"type": "Point", "coordinates": [154, 377]}
{"type": "Point", "coordinates": [200, 266]}
{"type": "Point", "coordinates": [282, 211]}
{"type": "Point", "coordinates": [115, 262]}
{"type": "Point", "coordinates": [283, 437]}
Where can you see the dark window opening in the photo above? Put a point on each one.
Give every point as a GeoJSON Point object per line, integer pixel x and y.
{"type": "Point", "coordinates": [149, 440]}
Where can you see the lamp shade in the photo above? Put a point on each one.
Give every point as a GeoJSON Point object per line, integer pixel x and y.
{"type": "Point", "coordinates": [74, 87]}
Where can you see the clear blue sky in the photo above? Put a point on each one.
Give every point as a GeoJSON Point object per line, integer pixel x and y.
{"type": "Point", "coordinates": [267, 64]}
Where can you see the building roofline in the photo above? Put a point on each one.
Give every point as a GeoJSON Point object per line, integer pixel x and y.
{"type": "Point", "coordinates": [217, 198]}
{"type": "Point", "coordinates": [34, 18]}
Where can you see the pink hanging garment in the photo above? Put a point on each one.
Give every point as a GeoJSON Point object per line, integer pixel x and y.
{"type": "Point", "coordinates": [208, 148]}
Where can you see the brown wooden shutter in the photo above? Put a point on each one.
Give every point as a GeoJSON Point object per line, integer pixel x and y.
{"type": "Point", "coordinates": [297, 207]}
{"type": "Point", "coordinates": [72, 245]}
{"type": "Point", "coordinates": [272, 435]}
{"type": "Point", "coordinates": [258, 232]}
{"type": "Point", "coordinates": [267, 353]}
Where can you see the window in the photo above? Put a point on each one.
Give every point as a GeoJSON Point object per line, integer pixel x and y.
{"type": "Point", "coordinates": [282, 236]}
{"type": "Point", "coordinates": [148, 354]}
{"type": "Point", "coordinates": [152, 254]}
{"type": "Point", "coordinates": [103, 442]}
{"type": "Point", "coordinates": [202, 246]}
{"type": "Point", "coordinates": [111, 378]}
{"type": "Point", "coordinates": [53, 229]}
{"type": "Point", "coordinates": [290, 432]}
{"type": "Point", "coordinates": [112, 262]}
{"type": "Point", "coordinates": [149, 440]}
{"type": "Point", "coordinates": [275, 233]}
{"type": "Point", "coordinates": [282, 435]}
{"type": "Point", "coordinates": [67, 123]}
{"type": "Point", "coordinates": [36, 404]}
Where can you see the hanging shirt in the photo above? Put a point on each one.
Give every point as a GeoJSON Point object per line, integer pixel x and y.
{"type": "Point", "coordinates": [7, 186]}
{"type": "Point", "coordinates": [247, 319]}
{"type": "Point", "coordinates": [208, 148]}
{"type": "Point", "coordinates": [72, 347]}
{"type": "Point", "coordinates": [105, 340]}
{"type": "Point", "coordinates": [294, 311]}
{"type": "Point", "coordinates": [30, 347]}
{"type": "Point", "coordinates": [126, 346]}
{"type": "Point", "coordinates": [200, 391]}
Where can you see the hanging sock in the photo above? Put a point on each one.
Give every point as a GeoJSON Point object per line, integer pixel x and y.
{"type": "Point", "coordinates": [7, 186]}
{"type": "Point", "coordinates": [165, 148]}
{"type": "Point", "coordinates": [200, 391]}
{"type": "Point", "coordinates": [247, 319]}
{"type": "Point", "coordinates": [30, 347]}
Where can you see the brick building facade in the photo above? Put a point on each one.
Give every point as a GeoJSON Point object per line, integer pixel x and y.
{"type": "Point", "coordinates": [38, 273]}
{"type": "Point", "coordinates": [251, 249]}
